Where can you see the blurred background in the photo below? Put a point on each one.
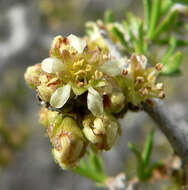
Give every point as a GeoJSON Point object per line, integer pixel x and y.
{"type": "Point", "coordinates": [27, 28]}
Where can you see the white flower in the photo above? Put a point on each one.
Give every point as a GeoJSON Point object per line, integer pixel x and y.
{"type": "Point", "coordinates": [77, 43]}
{"type": "Point", "coordinates": [52, 65]}
{"type": "Point", "coordinates": [60, 96]}
{"type": "Point", "coordinates": [179, 7]}
{"type": "Point", "coordinates": [94, 102]}
{"type": "Point", "coordinates": [111, 68]}
{"type": "Point", "coordinates": [142, 60]}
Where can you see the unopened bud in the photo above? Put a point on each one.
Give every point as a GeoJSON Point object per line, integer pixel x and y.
{"type": "Point", "coordinates": [69, 143]}
{"type": "Point", "coordinates": [101, 131]}
{"type": "Point", "coordinates": [117, 102]}
{"type": "Point", "coordinates": [32, 75]}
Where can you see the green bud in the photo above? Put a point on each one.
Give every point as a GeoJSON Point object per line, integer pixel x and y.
{"type": "Point", "coordinates": [32, 75]}
{"type": "Point", "coordinates": [69, 144]}
{"type": "Point", "coordinates": [117, 102]}
{"type": "Point", "coordinates": [101, 131]}
{"type": "Point", "coordinates": [43, 114]}
{"type": "Point", "coordinates": [50, 119]}
{"type": "Point", "coordinates": [48, 85]}
{"type": "Point", "coordinates": [45, 92]}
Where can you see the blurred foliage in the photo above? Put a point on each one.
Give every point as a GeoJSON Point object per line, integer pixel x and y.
{"type": "Point", "coordinates": [92, 167]}
{"type": "Point", "coordinates": [164, 26]}
{"type": "Point", "coordinates": [13, 128]}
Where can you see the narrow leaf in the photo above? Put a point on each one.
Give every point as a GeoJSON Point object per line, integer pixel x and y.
{"type": "Point", "coordinates": [147, 11]}
{"type": "Point", "coordinates": [121, 38]}
{"type": "Point", "coordinates": [108, 16]}
{"type": "Point", "coordinates": [166, 5]}
{"type": "Point", "coordinates": [147, 148]}
{"type": "Point", "coordinates": [95, 163]}
{"type": "Point", "coordinates": [166, 23]}
{"type": "Point", "coordinates": [155, 14]}
{"type": "Point", "coordinates": [172, 66]}
{"type": "Point", "coordinates": [135, 151]}
{"type": "Point", "coordinates": [170, 50]}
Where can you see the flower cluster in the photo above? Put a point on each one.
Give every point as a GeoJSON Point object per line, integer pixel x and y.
{"type": "Point", "coordinates": [83, 88]}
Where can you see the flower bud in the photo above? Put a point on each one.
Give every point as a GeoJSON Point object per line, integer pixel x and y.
{"type": "Point", "coordinates": [69, 143]}
{"type": "Point", "coordinates": [140, 83]}
{"type": "Point", "coordinates": [43, 114]}
{"type": "Point", "coordinates": [117, 102]}
{"type": "Point", "coordinates": [32, 75]}
{"type": "Point", "coordinates": [101, 131]}
{"type": "Point", "coordinates": [50, 119]}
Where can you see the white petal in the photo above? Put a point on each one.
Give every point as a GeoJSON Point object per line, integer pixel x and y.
{"type": "Point", "coordinates": [94, 102]}
{"type": "Point", "coordinates": [111, 68]}
{"type": "Point", "coordinates": [77, 43]}
{"type": "Point", "coordinates": [60, 96]}
{"type": "Point", "coordinates": [142, 60]}
{"type": "Point", "coordinates": [52, 65]}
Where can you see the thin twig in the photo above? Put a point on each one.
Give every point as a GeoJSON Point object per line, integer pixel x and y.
{"type": "Point", "coordinates": [172, 128]}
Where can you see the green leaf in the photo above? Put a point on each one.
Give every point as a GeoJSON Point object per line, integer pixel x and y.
{"type": "Point", "coordinates": [147, 148]}
{"type": "Point", "coordinates": [135, 151]}
{"type": "Point", "coordinates": [121, 38]}
{"type": "Point", "coordinates": [166, 23]}
{"type": "Point", "coordinates": [95, 163]}
{"type": "Point", "coordinates": [172, 46]}
{"type": "Point", "coordinates": [140, 38]}
{"type": "Point", "coordinates": [155, 14]}
{"type": "Point", "coordinates": [147, 11]}
{"type": "Point", "coordinates": [108, 16]}
{"type": "Point", "coordinates": [92, 169]}
{"type": "Point", "coordinates": [127, 28]}
{"type": "Point", "coordinates": [185, 2]}
{"type": "Point", "coordinates": [172, 66]}
{"type": "Point", "coordinates": [166, 5]}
